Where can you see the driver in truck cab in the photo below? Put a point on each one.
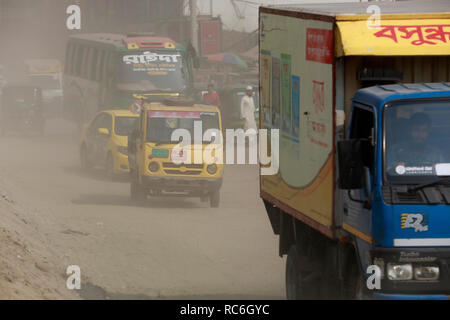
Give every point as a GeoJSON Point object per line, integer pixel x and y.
{"type": "Point", "coordinates": [417, 150]}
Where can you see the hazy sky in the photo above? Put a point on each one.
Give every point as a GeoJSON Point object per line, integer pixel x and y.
{"type": "Point", "coordinates": [249, 9]}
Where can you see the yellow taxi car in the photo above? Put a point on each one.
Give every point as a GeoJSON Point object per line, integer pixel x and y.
{"type": "Point", "coordinates": [104, 141]}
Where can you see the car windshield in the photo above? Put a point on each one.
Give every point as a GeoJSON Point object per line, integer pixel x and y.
{"type": "Point", "coordinates": [162, 70]}
{"type": "Point", "coordinates": [417, 136]}
{"type": "Point", "coordinates": [161, 124]}
{"type": "Point", "coordinates": [125, 125]}
{"type": "Point", "coordinates": [46, 82]}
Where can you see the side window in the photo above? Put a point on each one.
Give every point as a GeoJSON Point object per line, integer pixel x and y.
{"type": "Point", "coordinates": [362, 127]}
{"type": "Point", "coordinates": [107, 122]}
{"type": "Point", "coordinates": [85, 62]}
{"type": "Point", "coordinates": [93, 65]}
{"type": "Point", "coordinates": [99, 65]}
{"type": "Point", "coordinates": [110, 66]}
{"type": "Point", "coordinates": [69, 56]}
{"type": "Point", "coordinates": [106, 57]}
{"type": "Point", "coordinates": [78, 61]}
{"type": "Point", "coordinates": [96, 123]}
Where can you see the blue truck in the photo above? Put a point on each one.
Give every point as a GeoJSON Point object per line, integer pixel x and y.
{"type": "Point", "coordinates": [361, 200]}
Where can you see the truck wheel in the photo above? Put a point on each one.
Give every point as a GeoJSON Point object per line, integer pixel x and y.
{"type": "Point", "coordinates": [296, 288]}
{"type": "Point", "coordinates": [84, 158]}
{"type": "Point", "coordinates": [214, 198]}
{"type": "Point", "coordinates": [355, 284]}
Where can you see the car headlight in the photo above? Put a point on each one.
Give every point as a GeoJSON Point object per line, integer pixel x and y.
{"type": "Point", "coordinates": [123, 150]}
{"type": "Point", "coordinates": [397, 271]}
{"type": "Point", "coordinates": [212, 169]}
{"type": "Point", "coordinates": [426, 273]}
{"type": "Point", "coordinates": [153, 166]}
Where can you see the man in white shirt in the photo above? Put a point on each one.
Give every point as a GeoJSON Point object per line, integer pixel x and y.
{"type": "Point", "coordinates": [248, 110]}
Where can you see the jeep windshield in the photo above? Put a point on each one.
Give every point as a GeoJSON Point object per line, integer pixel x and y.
{"type": "Point", "coordinates": [157, 70]}
{"type": "Point", "coordinates": [162, 124]}
{"type": "Point", "coordinates": [417, 139]}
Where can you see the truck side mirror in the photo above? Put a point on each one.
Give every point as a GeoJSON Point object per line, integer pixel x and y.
{"type": "Point", "coordinates": [351, 165]}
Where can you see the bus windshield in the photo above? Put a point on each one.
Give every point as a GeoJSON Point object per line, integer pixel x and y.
{"type": "Point", "coordinates": [156, 70]}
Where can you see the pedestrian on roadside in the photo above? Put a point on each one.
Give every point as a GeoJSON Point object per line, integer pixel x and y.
{"type": "Point", "coordinates": [248, 110]}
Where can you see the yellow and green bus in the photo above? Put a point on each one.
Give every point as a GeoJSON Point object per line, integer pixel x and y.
{"type": "Point", "coordinates": [111, 71]}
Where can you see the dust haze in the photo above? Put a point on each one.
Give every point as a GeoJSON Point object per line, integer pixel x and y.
{"type": "Point", "coordinates": [55, 213]}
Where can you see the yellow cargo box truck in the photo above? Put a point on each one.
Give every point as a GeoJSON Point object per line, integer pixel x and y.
{"type": "Point", "coordinates": [331, 76]}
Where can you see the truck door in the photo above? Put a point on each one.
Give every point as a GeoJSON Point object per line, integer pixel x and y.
{"type": "Point", "coordinates": [356, 213]}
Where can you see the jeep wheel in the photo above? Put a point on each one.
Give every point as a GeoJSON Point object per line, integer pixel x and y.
{"type": "Point", "coordinates": [214, 198]}
{"type": "Point", "coordinates": [137, 193]}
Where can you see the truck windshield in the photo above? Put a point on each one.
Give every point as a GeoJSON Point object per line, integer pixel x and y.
{"type": "Point", "coordinates": [161, 124]}
{"type": "Point", "coordinates": [158, 70]}
{"type": "Point", "coordinates": [417, 136]}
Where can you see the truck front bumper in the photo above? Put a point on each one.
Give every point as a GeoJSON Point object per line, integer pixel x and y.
{"type": "Point", "coordinates": [413, 289]}
{"type": "Point", "coordinates": [384, 296]}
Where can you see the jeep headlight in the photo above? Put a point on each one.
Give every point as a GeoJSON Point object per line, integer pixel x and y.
{"type": "Point", "coordinates": [153, 166]}
{"type": "Point", "coordinates": [123, 150]}
{"type": "Point", "coordinates": [397, 271]}
{"type": "Point", "coordinates": [426, 273]}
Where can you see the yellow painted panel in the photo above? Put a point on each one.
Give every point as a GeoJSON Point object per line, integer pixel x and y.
{"type": "Point", "coordinates": [394, 38]}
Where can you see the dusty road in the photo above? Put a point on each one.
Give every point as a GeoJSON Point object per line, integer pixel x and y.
{"type": "Point", "coordinates": [170, 248]}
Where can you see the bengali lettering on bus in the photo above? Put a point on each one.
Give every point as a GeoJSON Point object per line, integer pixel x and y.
{"type": "Point", "coordinates": [148, 57]}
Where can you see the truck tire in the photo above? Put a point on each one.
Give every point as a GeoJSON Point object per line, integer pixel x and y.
{"type": "Point", "coordinates": [214, 198]}
{"type": "Point", "coordinates": [296, 288]}
{"type": "Point", "coordinates": [355, 284]}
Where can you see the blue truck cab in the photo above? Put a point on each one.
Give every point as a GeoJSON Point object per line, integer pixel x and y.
{"type": "Point", "coordinates": [394, 184]}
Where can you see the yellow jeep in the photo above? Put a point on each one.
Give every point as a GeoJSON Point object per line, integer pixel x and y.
{"type": "Point", "coordinates": [164, 164]}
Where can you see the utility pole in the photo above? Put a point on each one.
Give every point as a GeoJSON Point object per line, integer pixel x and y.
{"type": "Point", "coordinates": [194, 23]}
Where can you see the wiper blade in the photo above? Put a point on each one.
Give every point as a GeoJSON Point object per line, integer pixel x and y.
{"type": "Point", "coordinates": [429, 184]}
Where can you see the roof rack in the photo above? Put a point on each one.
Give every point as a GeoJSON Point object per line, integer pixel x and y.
{"type": "Point", "coordinates": [178, 101]}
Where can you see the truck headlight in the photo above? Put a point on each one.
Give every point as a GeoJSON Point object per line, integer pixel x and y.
{"type": "Point", "coordinates": [426, 273]}
{"type": "Point", "coordinates": [397, 271]}
{"type": "Point", "coordinates": [212, 169]}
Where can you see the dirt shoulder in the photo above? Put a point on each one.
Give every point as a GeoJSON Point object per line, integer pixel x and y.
{"type": "Point", "coordinates": [27, 263]}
